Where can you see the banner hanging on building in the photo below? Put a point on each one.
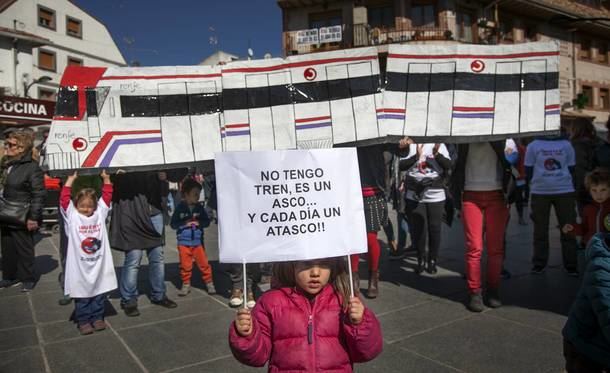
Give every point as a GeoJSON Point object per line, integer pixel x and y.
{"type": "Point", "coordinates": [289, 205]}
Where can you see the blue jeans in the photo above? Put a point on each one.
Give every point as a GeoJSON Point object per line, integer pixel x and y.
{"type": "Point", "coordinates": [88, 310]}
{"type": "Point", "coordinates": [156, 270]}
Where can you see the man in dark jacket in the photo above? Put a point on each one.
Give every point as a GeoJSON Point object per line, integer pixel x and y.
{"type": "Point", "coordinates": [22, 181]}
{"type": "Point", "coordinates": [136, 228]}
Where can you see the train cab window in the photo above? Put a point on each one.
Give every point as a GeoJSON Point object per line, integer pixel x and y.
{"type": "Point", "coordinates": [91, 102]}
{"type": "Point", "coordinates": [204, 103]}
{"type": "Point", "coordinates": [95, 100]}
{"type": "Point", "coordinates": [173, 105]}
{"type": "Point", "coordinates": [67, 102]}
{"type": "Point", "coordinates": [139, 106]}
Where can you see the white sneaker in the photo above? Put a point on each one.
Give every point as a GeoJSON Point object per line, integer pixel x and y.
{"type": "Point", "coordinates": [186, 289]}
{"type": "Point", "coordinates": [251, 302]}
{"type": "Point", "coordinates": [210, 287]}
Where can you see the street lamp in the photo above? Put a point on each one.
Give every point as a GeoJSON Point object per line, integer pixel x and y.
{"type": "Point", "coordinates": [42, 79]}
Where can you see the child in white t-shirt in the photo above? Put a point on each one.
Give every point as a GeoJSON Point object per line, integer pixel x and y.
{"type": "Point", "coordinates": [89, 271]}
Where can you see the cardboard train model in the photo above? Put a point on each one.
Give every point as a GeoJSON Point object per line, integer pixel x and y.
{"type": "Point", "coordinates": [162, 117]}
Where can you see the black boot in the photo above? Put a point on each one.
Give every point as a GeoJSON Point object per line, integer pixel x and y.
{"type": "Point", "coordinates": [420, 265]}
{"type": "Point", "coordinates": [431, 269]}
{"type": "Point", "coordinates": [373, 290]}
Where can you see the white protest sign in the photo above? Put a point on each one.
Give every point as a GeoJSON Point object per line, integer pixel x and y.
{"type": "Point", "coordinates": [289, 205]}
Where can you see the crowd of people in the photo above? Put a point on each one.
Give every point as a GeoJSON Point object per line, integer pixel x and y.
{"type": "Point", "coordinates": [310, 302]}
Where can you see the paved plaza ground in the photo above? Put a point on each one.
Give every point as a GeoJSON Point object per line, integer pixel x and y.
{"type": "Point", "coordinates": [426, 327]}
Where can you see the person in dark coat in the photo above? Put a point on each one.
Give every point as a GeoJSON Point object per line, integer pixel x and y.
{"type": "Point", "coordinates": [583, 139]}
{"type": "Point", "coordinates": [136, 228]}
{"type": "Point", "coordinates": [601, 155]}
{"type": "Point", "coordinates": [371, 164]}
{"type": "Point", "coordinates": [22, 181]}
{"type": "Point", "coordinates": [427, 166]}
{"type": "Point", "coordinates": [586, 343]}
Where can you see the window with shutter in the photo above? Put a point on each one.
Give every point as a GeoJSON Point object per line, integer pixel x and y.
{"type": "Point", "coordinates": [587, 91]}
{"type": "Point", "coordinates": [74, 27]}
{"type": "Point", "coordinates": [585, 49]}
{"type": "Point", "coordinates": [423, 13]}
{"type": "Point", "coordinates": [46, 17]}
{"type": "Point", "coordinates": [46, 60]}
{"type": "Point", "coordinates": [73, 61]}
{"type": "Point", "coordinates": [602, 52]}
{"type": "Point", "coordinates": [604, 99]}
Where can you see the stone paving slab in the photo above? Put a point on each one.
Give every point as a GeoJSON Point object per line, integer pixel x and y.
{"type": "Point", "coordinates": [25, 360]}
{"type": "Point", "coordinates": [100, 352]}
{"type": "Point", "coordinates": [174, 343]}
{"type": "Point", "coordinates": [399, 360]}
{"type": "Point", "coordinates": [17, 338]}
{"type": "Point", "coordinates": [481, 343]}
{"type": "Point", "coordinates": [402, 323]}
{"type": "Point", "coordinates": [15, 309]}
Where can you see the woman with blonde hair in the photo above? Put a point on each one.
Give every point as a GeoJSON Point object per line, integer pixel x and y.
{"type": "Point", "coordinates": [22, 182]}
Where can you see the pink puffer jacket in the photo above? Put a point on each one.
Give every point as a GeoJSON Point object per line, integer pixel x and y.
{"type": "Point", "coordinates": [306, 336]}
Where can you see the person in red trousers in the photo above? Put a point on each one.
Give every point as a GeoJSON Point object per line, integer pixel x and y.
{"type": "Point", "coordinates": [485, 184]}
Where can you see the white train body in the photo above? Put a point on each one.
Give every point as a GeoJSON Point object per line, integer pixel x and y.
{"type": "Point", "coordinates": [162, 117]}
{"type": "Point", "coordinates": [465, 91]}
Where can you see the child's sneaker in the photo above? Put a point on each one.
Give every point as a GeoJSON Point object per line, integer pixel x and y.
{"type": "Point", "coordinates": [211, 288]}
{"type": "Point", "coordinates": [237, 298]}
{"type": "Point", "coordinates": [64, 300]}
{"type": "Point", "coordinates": [99, 325]}
{"type": "Point", "coordinates": [85, 329]}
{"type": "Point", "coordinates": [186, 289]}
{"type": "Point", "coordinates": [251, 302]}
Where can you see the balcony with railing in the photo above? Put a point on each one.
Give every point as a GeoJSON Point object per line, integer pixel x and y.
{"type": "Point", "coordinates": [352, 36]}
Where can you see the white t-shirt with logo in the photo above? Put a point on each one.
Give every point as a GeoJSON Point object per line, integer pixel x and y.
{"type": "Point", "coordinates": [89, 267]}
{"type": "Point", "coordinates": [426, 168]}
{"type": "Point", "coordinates": [550, 160]}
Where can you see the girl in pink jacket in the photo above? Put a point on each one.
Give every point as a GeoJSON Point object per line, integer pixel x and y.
{"type": "Point", "coordinates": [308, 324]}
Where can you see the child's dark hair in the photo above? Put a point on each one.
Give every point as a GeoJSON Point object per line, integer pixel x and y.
{"type": "Point", "coordinates": [599, 176]}
{"type": "Point", "coordinates": [86, 193]}
{"type": "Point", "coordinates": [189, 184]}
{"type": "Point", "coordinates": [284, 275]}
